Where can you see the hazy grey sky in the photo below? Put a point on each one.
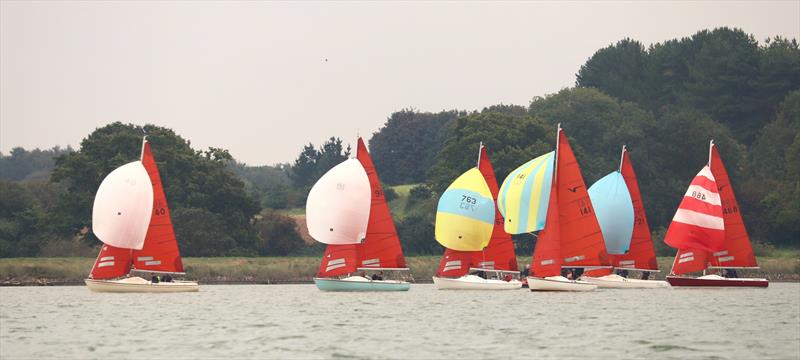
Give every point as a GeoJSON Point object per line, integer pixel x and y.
{"type": "Point", "coordinates": [252, 77]}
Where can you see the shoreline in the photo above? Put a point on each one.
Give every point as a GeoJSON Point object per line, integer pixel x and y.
{"type": "Point", "coordinates": [234, 283]}
{"type": "Point", "coordinates": [290, 270]}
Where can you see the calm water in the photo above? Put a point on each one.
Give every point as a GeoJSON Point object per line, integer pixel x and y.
{"type": "Point", "coordinates": [298, 321]}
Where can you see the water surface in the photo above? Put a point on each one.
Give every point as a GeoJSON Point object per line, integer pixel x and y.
{"type": "Point", "coordinates": [298, 321]}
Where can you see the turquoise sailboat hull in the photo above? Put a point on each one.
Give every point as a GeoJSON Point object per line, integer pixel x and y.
{"type": "Point", "coordinates": [357, 283]}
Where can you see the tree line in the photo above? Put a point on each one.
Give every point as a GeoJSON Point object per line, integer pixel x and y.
{"type": "Point", "coordinates": [665, 102]}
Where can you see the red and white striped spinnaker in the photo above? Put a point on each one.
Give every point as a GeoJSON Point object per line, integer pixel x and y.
{"type": "Point", "coordinates": [698, 225]}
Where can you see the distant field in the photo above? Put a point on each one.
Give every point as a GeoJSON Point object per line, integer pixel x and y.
{"type": "Point", "coordinates": [31, 271]}
{"type": "Point", "coordinates": [402, 190]}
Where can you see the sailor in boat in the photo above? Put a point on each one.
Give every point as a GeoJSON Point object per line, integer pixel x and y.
{"type": "Point", "coordinates": [154, 279]}
{"type": "Point", "coordinates": [567, 273]}
{"type": "Point", "coordinates": [645, 275]}
{"type": "Point", "coordinates": [622, 272]}
{"type": "Point", "coordinates": [526, 271]}
{"type": "Point", "coordinates": [377, 276]}
{"type": "Point", "coordinates": [167, 278]}
{"type": "Point", "coordinates": [729, 273]}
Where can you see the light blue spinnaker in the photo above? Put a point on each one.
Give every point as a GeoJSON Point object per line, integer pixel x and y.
{"type": "Point", "coordinates": [524, 195]}
{"type": "Point", "coordinates": [614, 210]}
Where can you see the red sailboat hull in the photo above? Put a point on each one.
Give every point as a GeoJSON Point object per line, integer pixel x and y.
{"type": "Point", "coordinates": [717, 282]}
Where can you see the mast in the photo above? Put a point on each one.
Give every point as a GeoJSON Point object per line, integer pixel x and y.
{"type": "Point", "coordinates": [144, 141]}
{"type": "Point", "coordinates": [478, 163]}
{"type": "Point", "coordinates": [710, 146]}
{"type": "Point", "coordinates": [555, 159]}
{"type": "Point", "coordinates": [622, 157]}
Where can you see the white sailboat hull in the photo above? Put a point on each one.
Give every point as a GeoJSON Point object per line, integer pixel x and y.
{"type": "Point", "coordinates": [558, 283]}
{"type": "Point", "coordinates": [472, 282]}
{"type": "Point", "coordinates": [614, 281]}
{"type": "Point", "coordinates": [139, 285]}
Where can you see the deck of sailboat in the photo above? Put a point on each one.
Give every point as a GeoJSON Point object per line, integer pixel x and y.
{"type": "Point", "coordinates": [473, 282]}
{"type": "Point", "coordinates": [614, 281]}
{"type": "Point", "coordinates": [139, 285]}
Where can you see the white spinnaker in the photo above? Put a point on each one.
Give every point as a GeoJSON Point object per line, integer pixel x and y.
{"type": "Point", "coordinates": [123, 207]}
{"type": "Point", "coordinates": [337, 208]}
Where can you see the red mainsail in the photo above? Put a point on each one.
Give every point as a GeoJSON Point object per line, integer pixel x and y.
{"type": "Point", "coordinates": [339, 260]}
{"type": "Point", "coordinates": [112, 262]}
{"type": "Point", "coordinates": [160, 251]}
{"type": "Point", "coordinates": [582, 243]}
{"type": "Point", "coordinates": [737, 250]}
{"type": "Point", "coordinates": [547, 257]}
{"type": "Point", "coordinates": [381, 247]}
{"type": "Point", "coordinates": [499, 254]}
{"type": "Point", "coordinates": [642, 255]}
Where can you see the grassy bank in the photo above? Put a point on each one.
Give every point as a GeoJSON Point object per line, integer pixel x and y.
{"type": "Point", "coordinates": [31, 271]}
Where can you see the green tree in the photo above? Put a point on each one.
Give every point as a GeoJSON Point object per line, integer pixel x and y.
{"type": "Point", "coordinates": [417, 235]}
{"type": "Point", "coordinates": [404, 149]}
{"type": "Point", "coordinates": [678, 151]}
{"type": "Point", "coordinates": [36, 164]}
{"type": "Point", "coordinates": [201, 232]}
{"type": "Point", "coordinates": [772, 191]}
{"type": "Point", "coordinates": [617, 69]}
{"type": "Point", "coordinates": [191, 179]}
{"type": "Point", "coordinates": [721, 77]}
{"type": "Point", "coordinates": [510, 139]}
{"type": "Point", "coordinates": [277, 234]}
{"type": "Point", "coordinates": [312, 163]}
{"type": "Point", "coordinates": [779, 73]}
{"type": "Point", "coordinates": [597, 126]}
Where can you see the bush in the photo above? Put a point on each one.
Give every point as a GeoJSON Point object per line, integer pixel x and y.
{"type": "Point", "coordinates": [277, 234]}
{"type": "Point", "coordinates": [419, 193]}
{"type": "Point", "coordinates": [389, 194]}
{"type": "Point", "coordinates": [763, 248]}
{"type": "Point", "coordinates": [202, 233]}
{"type": "Point", "coordinates": [417, 236]}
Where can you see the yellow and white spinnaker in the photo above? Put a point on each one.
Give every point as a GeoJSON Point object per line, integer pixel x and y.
{"type": "Point", "coordinates": [524, 195]}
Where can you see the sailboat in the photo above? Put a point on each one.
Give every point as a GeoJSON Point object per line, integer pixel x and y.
{"type": "Point", "coordinates": [470, 228]}
{"type": "Point", "coordinates": [131, 217]}
{"type": "Point", "coordinates": [620, 212]}
{"type": "Point", "coordinates": [347, 211]}
{"type": "Point", "coordinates": [709, 233]}
{"type": "Point", "coordinates": [569, 235]}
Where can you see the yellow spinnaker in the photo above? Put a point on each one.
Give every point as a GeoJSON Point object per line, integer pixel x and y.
{"type": "Point", "coordinates": [465, 215]}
